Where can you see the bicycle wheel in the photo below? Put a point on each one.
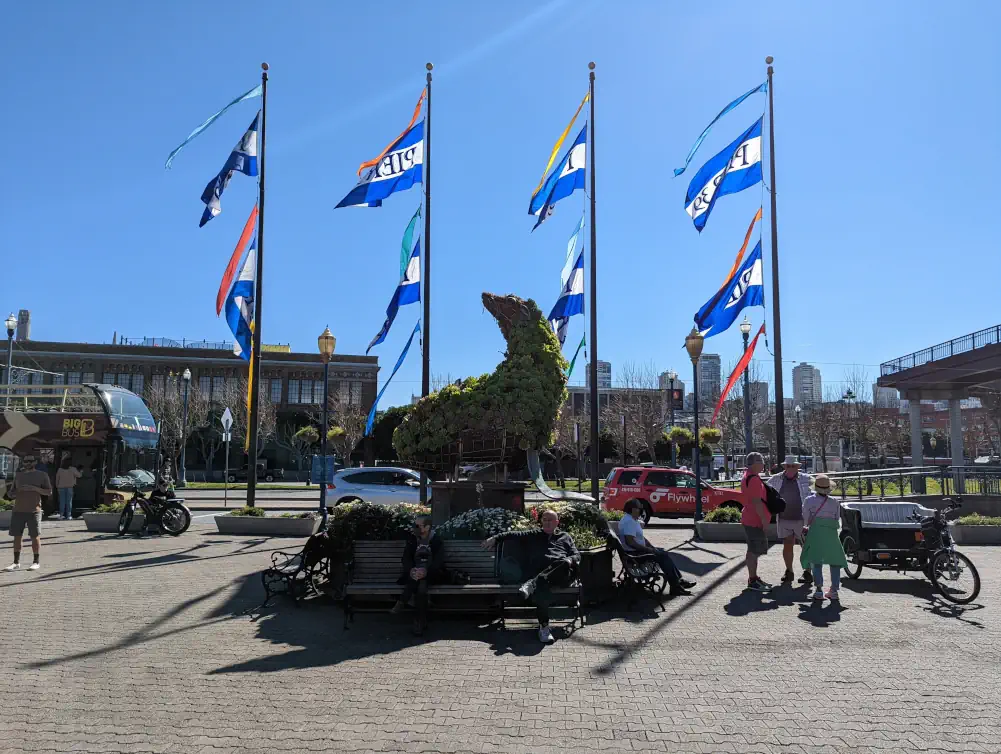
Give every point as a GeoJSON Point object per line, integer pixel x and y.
{"type": "Point", "coordinates": [174, 519]}
{"type": "Point", "coordinates": [125, 520]}
{"type": "Point", "coordinates": [955, 577]}
{"type": "Point", "coordinates": [854, 569]}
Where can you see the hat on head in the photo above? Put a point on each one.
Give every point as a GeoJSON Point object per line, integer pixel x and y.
{"type": "Point", "coordinates": [822, 483]}
{"type": "Point", "coordinates": [791, 461]}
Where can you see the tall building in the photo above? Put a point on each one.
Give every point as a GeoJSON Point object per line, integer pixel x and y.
{"type": "Point", "coordinates": [23, 331]}
{"type": "Point", "coordinates": [759, 396]}
{"type": "Point", "coordinates": [806, 387]}
{"type": "Point", "coordinates": [885, 397]}
{"type": "Point", "coordinates": [604, 375]}
{"type": "Point", "coordinates": [665, 384]}
{"type": "Point", "coordinates": [710, 377]}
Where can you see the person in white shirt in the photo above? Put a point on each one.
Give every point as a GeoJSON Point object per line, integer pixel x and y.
{"type": "Point", "coordinates": [633, 540]}
{"type": "Point", "coordinates": [66, 478]}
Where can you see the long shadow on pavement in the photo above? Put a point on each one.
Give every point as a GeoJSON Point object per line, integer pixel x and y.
{"type": "Point", "coordinates": [916, 587]}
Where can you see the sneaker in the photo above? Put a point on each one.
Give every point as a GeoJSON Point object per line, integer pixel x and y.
{"type": "Point", "coordinates": [788, 577]}
{"type": "Point", "coordinates": [832, 595]}
{"type": "Point", "coordinates": [34, 567]}
{"type": "Point", "coordinates": [527, 590]}
{"type": "Point", "coordinates": [818, 595]}
{"type": "Point", "coordinates": [758, 585]}
{"type": "Point", "coordinates": [806, 578]}
{"type": "Point", "coordinates": [13, 567]}
{"type": "Point", "coordinates": [397, 608]}
{"type": "Point", "coordinates": [686, 584]}
{"type": "Point", "coordinates": [545, 635]}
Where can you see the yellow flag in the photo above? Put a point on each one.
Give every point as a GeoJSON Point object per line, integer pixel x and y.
{"type": "Point", "coordinates": [559, 143]}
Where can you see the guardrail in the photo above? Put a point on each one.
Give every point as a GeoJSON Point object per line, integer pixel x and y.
{"type": "Point", "coordinates": [986, 337]}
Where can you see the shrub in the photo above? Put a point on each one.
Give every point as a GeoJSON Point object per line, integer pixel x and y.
{"type": "Point", "coordinates": [351, 521]}
{"type": "Point", "coordinates": [482, 523]}
{"type": "Point", "coordinates": [310, 514]}
{"type": "Point", "coordinates": [613, 515]}
{"type": "Point", "coordinates": [573, 515]}
{"type": "Point", "coordinates": [116, 507]}
{"type": "Point", "coordinates": [248, 511]}
{"type": "Point", "coordinates": [975, 519]}
{"type": "Point", "coordinates": [723, 515]}
{"type": "Point", "coordinates": [6, 505]}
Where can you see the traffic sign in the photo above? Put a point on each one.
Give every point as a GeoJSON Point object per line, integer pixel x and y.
{"type": "Point", "coordinates": [227, 419]}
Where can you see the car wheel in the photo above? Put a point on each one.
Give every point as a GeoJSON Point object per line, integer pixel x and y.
{"type": "Point", "coordinates": [231, 479]}
{"type": "Point", "coordinates": [269, 478]}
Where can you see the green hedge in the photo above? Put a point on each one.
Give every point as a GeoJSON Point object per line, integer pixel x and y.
{"type": "Point", "coordinates": [723, 516]}
{"type": "Point", "coordinates": [975, 519]}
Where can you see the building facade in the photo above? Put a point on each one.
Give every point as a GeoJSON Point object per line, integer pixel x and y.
{"type": "Point", "coordinates": [23, 331]}
{"type": "Point", "coordinates": [604, 375]}
{"type": "Point", "coordinates": [759, 396]}
{"type": "Point", "coordinates": [806, 385]}
{"type": "Point", "coordinates": [665, 384]}
{"type": "Point", "coordinates": [710, 378]}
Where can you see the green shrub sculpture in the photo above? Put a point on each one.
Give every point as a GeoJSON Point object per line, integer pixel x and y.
{"type": "Point", "coordinates": [521, 397]}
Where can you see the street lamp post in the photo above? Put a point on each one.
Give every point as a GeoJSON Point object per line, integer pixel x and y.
{"type": "Point", "coordinates": [182, 482]}
{"type": "Point", "coordinates": [326, 343]}
{"type": "Point", "coordinates": [622, 418]}
{"type": "Point", "coordinates": [799, 431]}
{"type": "Point", "coordinates": [671, 377]}
{"type": "Point", "coordinates": [11, 324]}
{"type": "Point", "coordinates": [745, 332]}
{"type": "Point", "coordinates": [693, 344]}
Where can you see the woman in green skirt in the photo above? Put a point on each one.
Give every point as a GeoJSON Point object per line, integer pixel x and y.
{"type": "Point", "coordinates": [822, 545]}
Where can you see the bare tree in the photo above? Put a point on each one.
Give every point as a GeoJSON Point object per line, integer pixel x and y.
{"type": "Point", "coordinates": [235, 397]}
{"type": "Point", "coordinates": [166, 404]}
{"type": "Point", "coordinates": [297, 439]}
{"type": "Point", "coordinates": [347, 428]}
{"type": "Point", "coordinates": [643, 405]}
{"type": "Point", "coordinates": [821, 424]}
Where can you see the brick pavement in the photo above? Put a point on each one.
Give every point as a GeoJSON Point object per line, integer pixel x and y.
{"type": "Point", "coordinates": [127, 645]}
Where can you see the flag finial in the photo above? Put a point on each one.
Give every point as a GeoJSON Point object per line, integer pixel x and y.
{"type": "Point", "coordinates": [264, 66]}
{"type": "Point", "coordinates": [769, 60]}
{"type": "Point", "coordinates": [429, 66]}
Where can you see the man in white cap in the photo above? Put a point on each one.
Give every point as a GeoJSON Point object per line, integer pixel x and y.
{"type": "Point", "coordinates": [794, 488]}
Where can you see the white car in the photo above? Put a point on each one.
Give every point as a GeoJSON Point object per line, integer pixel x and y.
{"type": "Point", "coordinates": [382, 485]}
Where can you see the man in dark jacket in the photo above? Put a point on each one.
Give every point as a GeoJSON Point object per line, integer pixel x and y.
{"type": "Point", "coordinates": [423, 565]}
{"type": "Point", "coordinates": [551, 555]}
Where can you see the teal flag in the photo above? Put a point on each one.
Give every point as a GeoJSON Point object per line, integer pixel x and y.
{"type": "Point", "coordinates": [257, 91]}
{"type": "Point", "coordinates": [408, 243]}
{"type": "Point", "coordinates": [574, 359]}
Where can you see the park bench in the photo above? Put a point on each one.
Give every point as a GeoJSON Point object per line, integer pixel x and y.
{"type": "Point", "coordinates": [375, 566]}
{"type": "Point", "coordinates": [640, 573]}
{"type": "Point", "coordinates": [298, 574]}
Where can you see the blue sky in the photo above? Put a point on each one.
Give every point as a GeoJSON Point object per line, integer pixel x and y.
{"type": "Point", "coordinates": [886, 127]}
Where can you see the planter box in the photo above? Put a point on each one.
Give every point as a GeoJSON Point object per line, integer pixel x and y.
{"type": "Point", "coordinates": [596, 575]}
{"type": "Point", "coordinates": [716, 532]}
{"type": "Point", "coordinates": [976, 535]}
{"type": "Point", "coordinates": [4, 519]}
{"type": "Point", "coordinates": [108, 522]}
{"type": "Point", "coordinates": [267, 526]}
{"type": "Point", "coordinates": [449, 499]}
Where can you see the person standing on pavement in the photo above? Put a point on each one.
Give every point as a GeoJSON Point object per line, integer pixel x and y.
{"type": "Point", "coordinates": [793, 487]}
{"type": "Point", "coordinates": [755, 518]}
{"type": "Point", "coordinates": [634, 541]}
{"type": "Point", "coordinates": [66, 479]}
{"type": "Point", "coordinates": [29, 486]}
{"type": "Point", "coordinates": [821, 544]}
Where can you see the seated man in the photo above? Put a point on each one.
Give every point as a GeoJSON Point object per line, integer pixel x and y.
{"type": "Point", "coordinates": [552, 556]}
{"type": "Point", "coordinates": [423, 565]}
{"type": "Point", "coordinates": [631, 535]}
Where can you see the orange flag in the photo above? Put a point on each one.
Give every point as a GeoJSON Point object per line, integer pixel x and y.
{"type": "Point", "coordinates": [738, 370]}
{"type": "Point", "coordinates": [227, 276]}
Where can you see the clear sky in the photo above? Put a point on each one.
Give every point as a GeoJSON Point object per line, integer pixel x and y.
{"type": "Point", "coordinates": [886, 131]}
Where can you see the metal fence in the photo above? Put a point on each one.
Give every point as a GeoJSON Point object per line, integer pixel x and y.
{"type": "Point", "coordinates": [987, 337]}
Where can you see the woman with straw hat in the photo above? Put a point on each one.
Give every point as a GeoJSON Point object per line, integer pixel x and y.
{"type": "Point", "coordinates": [822, 545]}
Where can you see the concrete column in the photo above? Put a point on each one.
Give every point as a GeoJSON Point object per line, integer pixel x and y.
{"type": "Point", "coordinates": [917, 450]}
{"type": "Point", "coordinates": [956, 440]}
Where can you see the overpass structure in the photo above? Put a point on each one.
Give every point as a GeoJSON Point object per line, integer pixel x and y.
{"type": "Point", "coordinates": [965, 367]}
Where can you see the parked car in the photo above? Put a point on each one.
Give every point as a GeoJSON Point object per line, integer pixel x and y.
{"type": "Point", "coordinates": [664, 492]}
{"type": "Point", "coordinates": [264, 474]}
{"type": "Point", "coordinates": [383, 485]}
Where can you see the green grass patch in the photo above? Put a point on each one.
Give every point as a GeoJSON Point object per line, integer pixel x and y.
{"type": "Point", "coordinates": [243, 486]}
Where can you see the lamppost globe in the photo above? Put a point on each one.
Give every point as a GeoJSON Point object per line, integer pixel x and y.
{"type": "Point", "coordinates": [11, 323]}
{"type": "Point", "coordinates": [694, 342]}
{"type": "Point", "coordinates": [326, 343]}
{"type": "Point", "coordinates": [745, 326]}
{"type": "Point", "coordinates": [797, 410]}
{"type": "Point", "coordinates": [672, 375]}
{"type": "Point", "coordinates": [186, 375]}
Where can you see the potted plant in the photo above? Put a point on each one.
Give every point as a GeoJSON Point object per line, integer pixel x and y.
{"type": "Point", "coordinates": [255, 522]}
{"type": "Point", "coordinates": [104, 518]}
{"type": "Point", "coordinates": [976, 529]}
{"type": "Point", "coordinates": [723, 525]}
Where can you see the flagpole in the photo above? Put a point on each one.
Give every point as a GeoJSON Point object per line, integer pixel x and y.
{"type": "Point", "coordinates": [254, 378]}
{"type": "Point", "coordinates": [594, 302]}
{"type": "Point", "coordinates": [426, 326]}
{"type": "Point", "coordinates": [780, 427]}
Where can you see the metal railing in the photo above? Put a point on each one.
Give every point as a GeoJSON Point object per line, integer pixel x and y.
{"type": "Point", "coordinates": [987, 337]}
{"type": "Point", "coordinates": [216, 345]}
{"type": "Point", "coordinates": [57, 398]}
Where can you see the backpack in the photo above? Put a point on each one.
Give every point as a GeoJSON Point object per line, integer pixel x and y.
{"type": "Point", "coordinates": [773, 500]}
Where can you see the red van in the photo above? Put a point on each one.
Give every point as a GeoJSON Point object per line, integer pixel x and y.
{"type": "Point", "coordinates": [665, 493]}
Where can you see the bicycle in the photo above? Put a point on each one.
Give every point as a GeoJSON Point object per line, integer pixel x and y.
{"type": "Point", "coordinates": [169, 515]}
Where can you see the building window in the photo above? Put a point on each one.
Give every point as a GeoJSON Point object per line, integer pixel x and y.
{"type": "Point", "coordinates": [109, 378]}
{"type": "Point", "coordinates": [205, 387]}
{"type": "Point", "coordinates": [89, 377]}
{"type": "Point", "coordinates": [218, 388]}
{"type": "Point", "coordinates": [276, 391]}
{"type": "Point", "coordinates": [124, 380]}
{"type": "Point", "coordinates": [293, 391]}
{"type": "Point", "coordinates": [36, 378]}
{"type": "Point", "coordinates": [73, 378]}
{"type": "Point", "coordinates": [356, 393]}
{"type": "Point", "coordinates": [59, 379]}
{"type": "Point", "coordinates": [158, 382]}
{"type": "Point", "coordinates": [137, 383]}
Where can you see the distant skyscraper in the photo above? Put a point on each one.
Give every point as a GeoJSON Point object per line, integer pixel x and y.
{"type": "Point", "coordinates": [665, 384]}
{"type": "Point", "coordinates": [710, 376]}
{"type": "Point", "coordinates": [604, 375]}
{"type": "Point", "coordinates": [759, 396]}
{"type": "Point", "coordinates": [23, 331]}
{"type": "Point", "coordinates": [806, 387]}
{"type": "Point", "coordinates": [885, 397]}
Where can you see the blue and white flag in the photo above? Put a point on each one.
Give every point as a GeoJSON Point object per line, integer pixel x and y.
{"type": "Point", "coordinates": [571, 247]}
{"type": "Point", "coordinates": [407, 292]}
{"type": "Point", "coordinates": [242, 159]}
{"type": "Point", "coordinates": [744, 288]}
{"type": "Point", "coordinates": [698, 142]}
{"type": "Point", "coordinates": [240, 304]}
{"type": "Point", "coordinates": [567, 177]}
{"type": "Point", "coordinates": [397, 170]}
{"type": "Point", "coordinates": [571, 300]}
{"type": "Point", "coordinates": [734, 169]}
{"type": "Point", "coordinates": [399, 362]}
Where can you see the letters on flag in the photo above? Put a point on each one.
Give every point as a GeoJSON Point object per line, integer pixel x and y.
{"type": "Point", "coordinates": [257, 91]}
{"type": "Point", "coordinates": [399, 168]}
{"type": "Point", "coordinates": [399, 362]}
{"type": "Point", "coordinates": [571, 300]}
{"type": "Point", "coordinates": [407, 292]}
{"type": "Point", "coordinates": [744, 288]}
{"type": "Point", "coordinates": [734, 169]}
{"type": "Point", "coordinates": [242, 159]}
{"type": "Point", "coordinates": [567, 177]}
{"type": "Point", "coordinates": [738, 370]}
{"type": "Point", "coordinates": [698, 142]}
{"type": "Point", "coordinates": [240, 305]}
{"type": "Point", "coordinates": [234, 260]}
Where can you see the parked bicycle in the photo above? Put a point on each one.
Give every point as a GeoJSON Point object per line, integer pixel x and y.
{"type": "Point", "coordinates": [161, 509]}
{"type": "Point", "coordinates": [915, 542]}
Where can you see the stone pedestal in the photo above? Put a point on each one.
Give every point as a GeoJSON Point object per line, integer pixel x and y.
{"type": "Point", "coordinates": [449, 499]}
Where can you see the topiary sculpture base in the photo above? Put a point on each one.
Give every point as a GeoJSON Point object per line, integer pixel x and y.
{"type": "Point", "coordinates": [449, 499]}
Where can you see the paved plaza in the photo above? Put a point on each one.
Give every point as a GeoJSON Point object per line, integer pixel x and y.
{"type": "Point", "coordinates": [154, 645]}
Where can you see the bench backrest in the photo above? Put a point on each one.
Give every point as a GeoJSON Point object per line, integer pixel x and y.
{"type": "Point", "coordinates": [891, 515]}
{"type": "Point", "coordinates": [381, 562]}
